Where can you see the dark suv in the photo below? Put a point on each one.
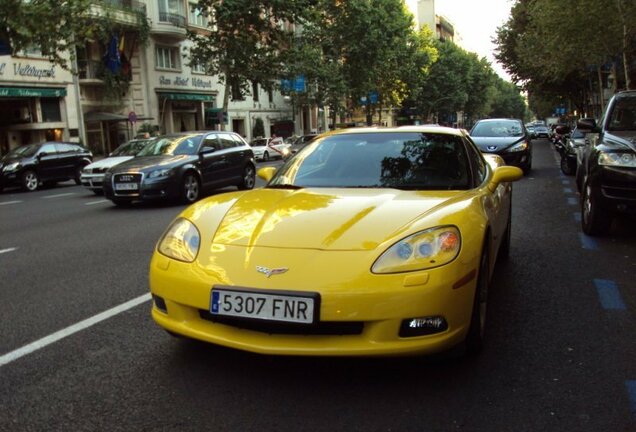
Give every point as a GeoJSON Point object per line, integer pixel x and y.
{"type": "Point", "coordinates": [606, 173]}
{"type": "Point", "coordinates": [47, 163]}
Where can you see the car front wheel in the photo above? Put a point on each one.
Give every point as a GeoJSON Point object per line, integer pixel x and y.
{"type": "Point", "coordinates": [595, 220]}
{"type": "Point", "coordinates": [30, 181]}
{"type": "Point", "coordinates": [249, 178]}
{"type": "Point", "coordinates": [475, 337]}
{"type": "Point", "coordinates": [190, 188]}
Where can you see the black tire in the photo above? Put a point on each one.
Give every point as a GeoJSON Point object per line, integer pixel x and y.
{"type": "Point", "coordinates": [122, 202]}
{"type": "Point", "coordinates": [566, 166]}
{"type": "Point", "coordinates": [30, 180]}
{"type": "Point", "coordinates": [266, 156]}
{"type": "Point", "coordinates": [78, 175]}
{"type": "Point", "coordinates": [504, 247]}
{"type": "Point", "coordinates": [527, 168]}
{"type": "Point", "coordinates": [249, 178]}
{"type": "Point", "coordinates": [579, 178]}
{"type": "Point", "coordinates": [475, 336]}
{"type": "Point", "coordinates": [595, 220]}
{"type": "Point", "coordinates": [190, 188]}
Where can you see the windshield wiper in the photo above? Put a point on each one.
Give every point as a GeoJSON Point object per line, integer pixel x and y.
{"type": "Point", "coordinates": [284, 186]}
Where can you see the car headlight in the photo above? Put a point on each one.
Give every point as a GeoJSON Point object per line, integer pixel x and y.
{"type": "Point", "coordinates": [164, 172]}
{"type": "Point", "coordinates": [11, 167]}
{"type": "Point", "coordinates": [617, 159]}
{"type": "Point", "coordinates": [518, 147]}
{"type": "Point", "coordinates": [181, 241]}
{"type": "Point", "coordinates": [433, 247]}
{"type": "Point", "coordinates": [87, 170]}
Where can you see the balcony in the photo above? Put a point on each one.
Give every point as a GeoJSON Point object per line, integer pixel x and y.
{"type": "Point", "coordinates": [126, 12]}
{"type": "Point", "coordinates": [171, 25]}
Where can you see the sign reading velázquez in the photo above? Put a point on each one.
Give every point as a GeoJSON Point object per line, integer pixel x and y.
{"type": "Point", "coordinates": [27, 70]}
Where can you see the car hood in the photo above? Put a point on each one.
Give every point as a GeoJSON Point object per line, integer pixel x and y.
{"type": "Point", "coordinates": [109, 162]}
{"type": "Point", "coordinates": [625, 138]}
{"type": "Point", "coordinates": [496, 144]}
{"type": "Point", "coordinates": [147, 163]}
{"type": "Point", "coordinates": [324, 219]}
{"type": "Point", "coordinates": [6, 160]}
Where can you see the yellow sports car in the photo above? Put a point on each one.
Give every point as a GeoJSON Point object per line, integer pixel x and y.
{"type": "Point", "coordinates": [366, 242]}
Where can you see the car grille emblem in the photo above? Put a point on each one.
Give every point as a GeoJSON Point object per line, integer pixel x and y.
{"type": "Point", "coordinates": [492, 148]}
{"type": "Point", "coordinates": [126, 178]}
{"type": "Point", "coordinates": [270, 272]}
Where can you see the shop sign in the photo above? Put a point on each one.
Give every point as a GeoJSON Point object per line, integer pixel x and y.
{"type": "Point", "coordinates": [32, 92]}
{"type": "Point", "coordinates": [181, 81]}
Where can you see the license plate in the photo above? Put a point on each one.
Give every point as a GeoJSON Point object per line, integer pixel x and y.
{"type": "Point", "coordinates": [265, 306]}
{"type": "Point", "coordinates": [126, 186]}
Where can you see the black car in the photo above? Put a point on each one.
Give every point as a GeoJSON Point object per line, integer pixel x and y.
{"type": "Point", "coordinates": [180, 166]}
{"type": "Point", "coordinates": [506, 137]}
{"type": "Point", "coordinates": [606, 174]}
{"type": "Point", "coordinates": [31, 165]}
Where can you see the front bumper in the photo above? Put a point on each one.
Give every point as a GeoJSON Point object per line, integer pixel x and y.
{"type": "Point", "coordinates": [94, 182]}
{"type": "Point", "coordinates": [369, 308]}
{"type": "Point", "coordinates": [147, 189]}
{"type": "Point", "coordinates": [519, 159]}
{"type": "Point", "coordinates": [617, 186]}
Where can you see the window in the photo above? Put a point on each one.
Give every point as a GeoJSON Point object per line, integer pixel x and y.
{"type": "Point", "coordinates": [172, 11]}
{"type": "Point", "coordinates": [198, 68]}
{"type": "Point", "coordinates": [226, 141]}
{"type": "Point", "coordinates": [270, 95]}
{"type": "Point", "coordinates": [50, 110]}
{"type": "Point", "coordinates": [168, 58]}
{"type": "Point", "coordinates": [236, 91]}
{"type": "Point", "coordinates": [255, 91]}
{"type": "Point", "coordinates": [196, 17]}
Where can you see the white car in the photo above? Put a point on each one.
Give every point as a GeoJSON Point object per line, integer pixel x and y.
{"type": "Point", "coordinates": [92, 175]}
{"type": "Point", "coordinates": [269, 148]}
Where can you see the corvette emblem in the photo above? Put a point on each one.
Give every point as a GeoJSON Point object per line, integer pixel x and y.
{"type": "Point", "coordinates": [269, 272]}
{"type": "Point", "coordinates": [492, 148]}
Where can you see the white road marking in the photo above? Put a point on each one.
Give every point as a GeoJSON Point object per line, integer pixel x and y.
{"type": "Point", "coordinates": [7, 250]}
{"type": "Point", "coordinates": [41, 343]}
{"type": "Point", "coordinates": [10, 202]}
{"type": "Point", "coordinates": [58, 195]}
{"type": "Point", "coordinates": [96, 202]}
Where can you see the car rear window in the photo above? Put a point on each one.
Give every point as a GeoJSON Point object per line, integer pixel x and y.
{"type": "Point", "coordinates": [498, 129]}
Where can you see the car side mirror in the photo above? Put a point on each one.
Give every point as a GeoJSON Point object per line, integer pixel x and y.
{"type": "Point", "coordinates": [207, 150]}
{"type": "Point", "coordinates": [266, 173]}
{"type": "Point", "coordinates": [41, 154]}
{"type": "Point", "coordinates": [504, 174]}
{"type": "Point", "coordinates": [587, 125]}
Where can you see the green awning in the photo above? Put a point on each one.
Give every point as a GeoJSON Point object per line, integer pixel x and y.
{"type": "Point", "coordinates": [187, 96]}
{"type": "Point", "coordinates": [32, 92]}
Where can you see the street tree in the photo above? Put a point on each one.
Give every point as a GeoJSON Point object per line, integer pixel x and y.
{"type": "Point", "coordinates": [246, 41]}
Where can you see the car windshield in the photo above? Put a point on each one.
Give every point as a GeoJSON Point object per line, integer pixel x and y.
{"type": "Point", "coordinates": [623, 116]}
{"type": "Point", "coordinates": [401, 160]}
{"type": "Point", "coordinates": [172, 145]}
{"type": "Point", "coordinates": [498, 129]}
{"type": "Point", "coordinates": [24, 151]}
{"type": "Point", "coordinates": [131, 148]}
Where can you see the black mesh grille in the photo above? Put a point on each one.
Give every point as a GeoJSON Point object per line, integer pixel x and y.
{"type": "Point", "coordinates": [338, 328]}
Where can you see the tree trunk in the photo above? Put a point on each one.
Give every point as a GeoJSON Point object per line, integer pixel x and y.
{"type": "Point", "coordinates": [226, 99]}
{"type": "Point", "coordinates": [601, 99]}
{"type": "Point", "coordinates": [369, 114]}
{"type": "Point", "coordinates": [628, 81]}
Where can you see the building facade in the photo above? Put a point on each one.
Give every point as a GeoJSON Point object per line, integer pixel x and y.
{"type": "Point", "coordinates": [124, 84]}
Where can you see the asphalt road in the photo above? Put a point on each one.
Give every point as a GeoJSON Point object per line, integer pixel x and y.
{"type": "Point", "coordinates": [559, 355]}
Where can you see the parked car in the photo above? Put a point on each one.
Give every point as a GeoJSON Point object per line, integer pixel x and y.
{"type": "Point", "coordinates": [574, 141]}
{"type": "Point", "coordinates": [606, 175]}
{"type": "Point", "coordinates": [93, 175]}
{"type": "Point", "coordinates": [530, 129]}
{"type": "Point", "coordinates": [379, 241]}
{"type": "Point", "coordinates": [180, 166]}
{"type": "Point", "coordinates": [507, 138]}
{"type": "Point", "coordinates": [265, 150]}
{"type": "Point", "coordinates": [541, 131]}
{"type": "Point", "coordinates": [46, 163]}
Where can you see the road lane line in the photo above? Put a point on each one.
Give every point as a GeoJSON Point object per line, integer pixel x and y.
{"type": "Point", "coordinates": [588, 242]}
{"type": "Point", "coordinates": [58, 195]}
{"type": "Point", "coordinates": [96, 202]}
{"type": "Point", "coordinates": [631, 391]}
{"type": "Point", "coordinates": [10, 202]}
{"type": "Point", "coordinates": [7, 250]}
{"type": "Point", "coordinates": [609, 294]}
{"type": "Point", "coordinates": [41, 343]}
